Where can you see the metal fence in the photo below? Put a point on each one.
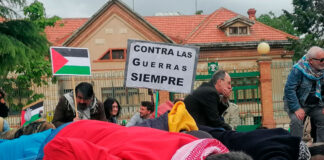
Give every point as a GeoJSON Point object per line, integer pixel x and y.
{"type": "Point", "coordinates": [279, 73]}
{"type": "Point", "coordinates": [246, 93]}
{"type": "Point", "coordinates": [105, 84]}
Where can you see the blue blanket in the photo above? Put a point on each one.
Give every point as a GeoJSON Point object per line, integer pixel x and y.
{"type": "Point", "coordinates": [27, 147]}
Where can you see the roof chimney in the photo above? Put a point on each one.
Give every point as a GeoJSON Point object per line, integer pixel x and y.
{"type": "Point", "coordinates": [251, 12]}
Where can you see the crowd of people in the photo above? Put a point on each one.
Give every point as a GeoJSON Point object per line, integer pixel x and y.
{"type": "Point", "coordinates": [196, 127]}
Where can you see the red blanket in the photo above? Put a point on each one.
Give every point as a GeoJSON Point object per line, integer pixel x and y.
{"type": "Point", "coordinates": [89, 139]}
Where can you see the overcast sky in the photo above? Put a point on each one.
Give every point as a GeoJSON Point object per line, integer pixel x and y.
{"type": "Point", "coordinates": [86, 8]}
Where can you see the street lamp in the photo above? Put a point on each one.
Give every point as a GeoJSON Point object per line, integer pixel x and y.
{"type": "Point", "coordinates": [263, 48]}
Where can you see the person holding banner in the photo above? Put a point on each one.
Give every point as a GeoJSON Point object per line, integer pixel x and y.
{"type": "Point", "coordinates": [89, 107]}
{"type": "Point", "coordinates": [209, 101]}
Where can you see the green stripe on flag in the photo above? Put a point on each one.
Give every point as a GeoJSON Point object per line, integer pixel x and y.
{"type": "Point", "coordinates": [32, 119]}
{"type": "Point", "coordinates": [82, 70]}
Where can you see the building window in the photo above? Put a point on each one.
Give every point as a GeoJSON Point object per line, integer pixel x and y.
{"type": "Point", "coordinates": [123, 95]}
{"type": "Point", "coordinates": [118, 54]}
{"type": "Point", "coordinates": [233, 30]}
{"type": "Point", "coordinates": [238, 30]}
{"type": "Point", "coordinates": [114, 54]}
{"type": "Point", "coordinates": [242, 30]}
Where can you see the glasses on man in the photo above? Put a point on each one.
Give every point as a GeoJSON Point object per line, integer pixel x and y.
{"type": "Point", "coordinates": [321, 60]}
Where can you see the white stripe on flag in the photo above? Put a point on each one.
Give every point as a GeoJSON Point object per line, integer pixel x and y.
{"type": "Point", "coordinates": [77, 61]}
{"type": "Point", "coordinates": [36, 111]}
{"type": "Point", "coordinates": [30, 113]}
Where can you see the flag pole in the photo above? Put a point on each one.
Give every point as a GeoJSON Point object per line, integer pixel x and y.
{"type": "Point", "coordinates": [157, 103]}
{"type": "Point", "coordinates": [32, 104]}
{"type": "Point", "coordinates": [74, 97]}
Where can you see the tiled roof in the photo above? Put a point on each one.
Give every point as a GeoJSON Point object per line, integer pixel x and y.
{"type": "Point", "coordinates": [176, 27]}
{"type": "Point", "coordinates": [207, 31]}
{"type": "Point", "coordinates": [63, 30]}
{"type": "Point", "coordinates": [182, 29]}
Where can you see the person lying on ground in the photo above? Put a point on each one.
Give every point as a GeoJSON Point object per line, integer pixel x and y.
{"type": "Point", "coordinates": [34, 127]}
{"type": "Point", "coordinates": [92, 139]}
{"type": "Point", "coordinates": [263, 144]}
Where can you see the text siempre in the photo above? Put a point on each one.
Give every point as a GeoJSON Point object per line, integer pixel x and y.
{"type": "Point", "coordinates": [154, 78]}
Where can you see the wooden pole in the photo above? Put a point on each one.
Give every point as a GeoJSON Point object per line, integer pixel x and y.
{"type": "Point", "coordinates": [74, 97]}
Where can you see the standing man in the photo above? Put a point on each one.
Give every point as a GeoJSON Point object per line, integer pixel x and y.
{"type": "Point", "coordinates": [209, 101]}
{"type": "Point", "coordinates": [146, 109]}
{"type": "Point", "coordinates": [89, 107]}
{"type": "Point", "coordinates": [304, 92]}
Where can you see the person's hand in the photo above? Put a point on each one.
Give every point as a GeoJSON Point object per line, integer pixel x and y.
{"type": "Point", "coordinates": [323, 111]}
{"type": "Point", "coordinates": [300, 114]}
{"type": "Point", "coordinates": [227, 92]}
{"type": "Point", "coordinates": [76, 119]}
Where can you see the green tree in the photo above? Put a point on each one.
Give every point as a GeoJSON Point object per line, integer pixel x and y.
{"type": "Point", "coordinates": [308, 19]}
{"type": "Point", "coordinates": [199, 12]}
{"type": "Point", "coordinates": [35, 12]}
{"type": "Point", "coordinates": [281, 22]}
{"type": "Point", "coordinates": [6, 8]}
{"type": "Point", "coordinates": [24, 53]}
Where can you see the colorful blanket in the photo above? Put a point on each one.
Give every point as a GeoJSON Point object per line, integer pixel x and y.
{"type": "Point", "coordinates": [101, 140]}
{"type": "Point", "coordinates": [98, 140]}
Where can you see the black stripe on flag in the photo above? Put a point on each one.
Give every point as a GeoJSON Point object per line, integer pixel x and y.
{"type": "Point", "coordinates": [72, 52]}
{"type": "Point", "coordinates": [40, 104]}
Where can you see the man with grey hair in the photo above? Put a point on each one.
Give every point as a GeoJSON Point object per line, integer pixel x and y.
{"type": "Point", "coordinates": [209, 101]}
{"type": "Point", "coordinates": [304, 92]}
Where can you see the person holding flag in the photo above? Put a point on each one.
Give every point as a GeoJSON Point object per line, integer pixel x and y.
{"type": "Point", "coordinates": [88, 106]}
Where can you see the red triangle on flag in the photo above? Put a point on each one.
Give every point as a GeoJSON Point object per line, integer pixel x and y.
{"type": "Point", "coordinates": [58, 60]}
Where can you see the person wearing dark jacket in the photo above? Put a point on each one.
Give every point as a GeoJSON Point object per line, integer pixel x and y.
{"type": "Point", "coordinates": [263, 144]}
{"type": "Point", "coordinates": [3, 107]}
{"type": "Point", "coordinates": [89, 107]}
{"type": "Point", "coordinates": [208, 102]}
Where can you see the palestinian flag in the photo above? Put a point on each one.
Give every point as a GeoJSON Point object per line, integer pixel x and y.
{"type": "Point", "coordinates": [70, 61]}
{"type": "Point", "coordinates": [32, 112]}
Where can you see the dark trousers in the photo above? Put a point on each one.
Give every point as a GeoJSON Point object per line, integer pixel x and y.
{"type": "Point", "coordinates": [260, 144]}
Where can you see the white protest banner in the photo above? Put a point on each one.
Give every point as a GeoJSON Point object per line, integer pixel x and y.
{"type": "Point", "coordinates": [70, 61]}
{"type": "Point", "coordinates": [161, 66]}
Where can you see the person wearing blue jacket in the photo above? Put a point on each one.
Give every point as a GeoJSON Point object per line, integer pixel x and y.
{"type": "Point", "coordinates": [303, 94]}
